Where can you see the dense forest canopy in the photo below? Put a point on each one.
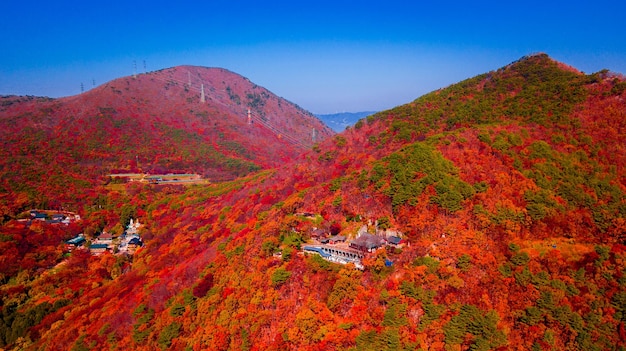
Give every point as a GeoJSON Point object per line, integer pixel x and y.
{"type": "Point", "coordinates": [505, 192]}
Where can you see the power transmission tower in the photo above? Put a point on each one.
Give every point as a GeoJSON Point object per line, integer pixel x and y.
{"type": "Point", "coordinates": [202, 100]}
{"type": "Point", "coordinates": [144, 66]}
{"type": "Point", "coordinates": [82, 88]}
{"type": "Point", "coordinates": [314, 135]}
{"type": "Point", "coordinates": [249, 117]}
{"type": "Point", "coordinates": [134, 69]}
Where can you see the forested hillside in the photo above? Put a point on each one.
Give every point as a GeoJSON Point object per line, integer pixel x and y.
{"type": "Point", "coordinates": [507, 191]}
{"type": "Point", "coordinates": [186, 119]}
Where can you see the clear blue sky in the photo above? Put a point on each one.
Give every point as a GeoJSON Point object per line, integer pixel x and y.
{"type": "Point", "coordinates": [326, 56]}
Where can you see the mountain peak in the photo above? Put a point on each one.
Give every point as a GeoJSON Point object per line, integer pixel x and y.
{"type": "Point", "coordinates": [540, 60]}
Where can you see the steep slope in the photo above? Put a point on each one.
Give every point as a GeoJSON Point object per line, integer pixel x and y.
{"type": "Point", "coordinates": [508, 187]}
{"type": "Point", "coordinates": [541, 126]}
{"type": "Point", "coordinates": [154, 122]}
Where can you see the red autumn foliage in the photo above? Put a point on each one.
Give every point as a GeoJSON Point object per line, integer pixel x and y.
{"type": "Point", "coordinates": [204, 285]}
{"type": "Point", "coordinates": [510, 211]}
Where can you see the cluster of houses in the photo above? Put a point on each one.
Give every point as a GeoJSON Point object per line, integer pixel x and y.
{"type": "Point", "coordinates": [128, 242]}
{"type": "Point", "coordinates": [338, 249]}
{"type": "Point", "coordinates": [51, 217]}
{"type": "Point", "coordinates": [364, 241]}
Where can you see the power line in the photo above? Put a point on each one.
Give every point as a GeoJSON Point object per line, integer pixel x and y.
{"type": "Point", "coordinates": [252, 117]}
{"type": "Point", "coordinates": [278, 132]}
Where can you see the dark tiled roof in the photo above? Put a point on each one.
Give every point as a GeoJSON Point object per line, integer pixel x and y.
{"type": "Point", "coordinates": [394, 240]}
{"type": "Point", "coordinates": [135, 241]}
{"type": "Point", "coordinates": [318, 232]}
{"type": "Point", "coordinates": [368, 241]}
{"type": "Point", "coordinates": [76, 241]}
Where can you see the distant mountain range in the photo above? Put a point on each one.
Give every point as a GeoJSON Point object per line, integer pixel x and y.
{"type": "Point", "coordinates": [339, 121]}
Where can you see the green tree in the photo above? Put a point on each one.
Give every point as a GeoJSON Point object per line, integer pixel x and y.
{"type": "Point", "coordinates": [520, 259]}
{"type": "Point", "coordinates": [464, 262]}
{"type": "Point", "coordinates": [280, 276]}
{"type": "Point", "coordinates": [167, 334]}
{"type": "Point", "coordinates": [80, 345]}
{"type": "Point", "coordinates": [431, 263]}
{"type": "Point", "coordinates": [483, 328]}
{"type": "Point", "coordinates": [345, 287]}
{"type": "Point", "coordinates": [269, 246]}
{"type": "Point", "coordinates": [395, 315]}
{"type": "Point", "coordinates": [383, 223]}
{"type": "Point", "coordinates": [127, 212]}
{"type": "Point", "coordinates": [411, 170]}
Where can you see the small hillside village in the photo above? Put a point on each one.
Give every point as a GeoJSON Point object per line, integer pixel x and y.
{"type": "Point", "coordinates": [127, 243]}
{"type": "Point", "coordinates": [333, 248]}
{"type": "Point", "coordinates": [50, 217]}
{"type": "Point", "coordinates": [338, 249]}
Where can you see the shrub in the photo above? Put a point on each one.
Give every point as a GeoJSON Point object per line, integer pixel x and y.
{"type": "Point", "coordinates": [431, 263]}
{"type": "Point", "coordinates": [464, 262]}
{"type": "Point", "coordinates": [520, 259]}
{"type": "Point", "coordinates": [167, 334]}
{"type": "Point", "coordinates": [280, 276]}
